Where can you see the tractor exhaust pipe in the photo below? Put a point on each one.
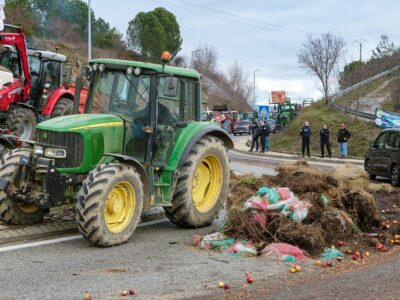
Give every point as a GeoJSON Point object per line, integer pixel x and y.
{"type": "Point", "coordinates": [78, 88]}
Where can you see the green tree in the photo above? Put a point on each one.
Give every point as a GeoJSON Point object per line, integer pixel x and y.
{"type": "Point", "coordinates": [21, 12]}
{"type": "Point", "coordinates": [384, 48]}
{"type": "Point", "coordinates": [150, 33]}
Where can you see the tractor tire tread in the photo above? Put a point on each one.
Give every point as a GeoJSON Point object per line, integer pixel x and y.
{"type": "Point", "coordinates": [182, 212]}
{"type": "Point", "coordinates": [90, 208]}
{"type": "Point", "coordinates": [9, 210]}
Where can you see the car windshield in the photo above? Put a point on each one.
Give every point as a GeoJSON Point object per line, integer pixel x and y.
{"type": "Point", "coordinates": [118, 92]}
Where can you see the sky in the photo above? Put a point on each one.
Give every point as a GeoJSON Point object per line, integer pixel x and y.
{"type": "Point", "coordinates": [267, 35]}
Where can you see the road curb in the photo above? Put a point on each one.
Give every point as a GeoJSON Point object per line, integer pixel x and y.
{"type": "Point", "coordinates": [295, 158]}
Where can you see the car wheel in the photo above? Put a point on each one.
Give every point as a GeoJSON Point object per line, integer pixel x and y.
{"type": "Point", "coordinates": [234, 133]}
{"type": "Point", "coordinates": [368, 169]}
{"type": "Point", "coordinates": [394, 178]}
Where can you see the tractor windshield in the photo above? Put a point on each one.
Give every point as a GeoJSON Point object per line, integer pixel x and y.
{"type": "Point", "coordinates": [118, 92]}
{"type": "Point", "coordinates": [9, 60]}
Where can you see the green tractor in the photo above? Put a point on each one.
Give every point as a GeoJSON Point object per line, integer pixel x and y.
{"type": "Point", "coordinates": [140, 143]}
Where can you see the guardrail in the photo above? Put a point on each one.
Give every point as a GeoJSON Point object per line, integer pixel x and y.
{"type": "Point", "coordinates": [356, 86]}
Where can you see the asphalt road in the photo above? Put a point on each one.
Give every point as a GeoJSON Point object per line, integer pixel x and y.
{"type": "Point", "coordinates": [158, 261]}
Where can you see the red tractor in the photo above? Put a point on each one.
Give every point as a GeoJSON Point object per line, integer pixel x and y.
{"type": "Point", "coordinates": [34, 85]}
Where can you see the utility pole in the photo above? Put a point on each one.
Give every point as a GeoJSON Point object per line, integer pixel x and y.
{"type": "Point", "coordinates": [193, 55]}
{"type": "Point", "coordinates": [254, 89]}
{"type": "Point", "coordinates": [89, 32]}
{"type": "Point", "coordinates": [360, 42]}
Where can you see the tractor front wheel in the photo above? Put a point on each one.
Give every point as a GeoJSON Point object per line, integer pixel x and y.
{"type": "Point", "coordinates": [109, 204]}
{"type": "Point", "coordinates": [202, 185]}
{"type": "Point", "coordinates": [63, 107]}
{"type": "Point", "coordinates": [12, 211]}
{"type": "Point", "coordinates": [22, 122]}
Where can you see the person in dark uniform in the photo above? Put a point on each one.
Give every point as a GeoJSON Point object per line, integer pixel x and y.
{"type": "Point", "coordinates": [305, 133]}
{"type": "Point", "coordinates": [255, 136]}
{"type": "Point", "coordinates": [324, 134]}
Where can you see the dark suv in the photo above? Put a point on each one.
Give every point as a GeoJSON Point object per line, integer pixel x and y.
{"type": "Point", "coordinates": [383, 156]}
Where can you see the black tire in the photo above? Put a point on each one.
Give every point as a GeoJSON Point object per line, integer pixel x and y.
{"type": "Point", "coordinates": [368, 169]}
{"type": "Point", "coordinates": [183, 211]}
{"type": "Point", "coordinates": [22, 122]}
{"type": "Point", "coordinates": [234, 133]}
{"type": "Point", "coordinates": [12, 212]}
{"type": "Point", "coordinates": [91, 205]}
{"type": "Point", "coordinates": [394, 176]}
{"type": "Point", "coordinates": [63, 107]}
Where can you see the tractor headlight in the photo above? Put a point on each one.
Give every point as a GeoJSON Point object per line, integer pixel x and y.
{"type": "Point", "coordinates": [129, 71]}
{"type": "Point", "coordinates": [55, 153]}
{"type": "Point", "coordinates": [102, 67]}
{"type": "Point", "coordinates": [137, 71]}
{"type": "Point", "coordinates": [38, 150]}
{"type": "Point", "coordinates": [95, 67]}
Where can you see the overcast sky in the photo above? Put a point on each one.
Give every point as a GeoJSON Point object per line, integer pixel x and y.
{"type": "Point", "coordinates": [266, 35]}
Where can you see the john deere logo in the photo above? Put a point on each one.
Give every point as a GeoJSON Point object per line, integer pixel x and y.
{"type": "Point", "coordinates": [45, 135]}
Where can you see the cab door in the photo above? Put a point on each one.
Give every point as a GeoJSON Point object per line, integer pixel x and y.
{"type": "Point", "coordinates": [175, 107]}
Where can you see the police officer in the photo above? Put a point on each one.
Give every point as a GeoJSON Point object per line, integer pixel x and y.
{"type": "Point", "coordinates": [305, 133]}
{"type": "Point", "coordinates": [324, 134]}
{"type": "Point", "coordinates": [255, 136]}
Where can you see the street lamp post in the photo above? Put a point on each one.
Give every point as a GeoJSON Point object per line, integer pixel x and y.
{"type": "Point", "coordinates": [89, 32]}
{"type": "Point", "coordinates": [193, 53]}
{"type": "Point", "coordinates": [254, 88]}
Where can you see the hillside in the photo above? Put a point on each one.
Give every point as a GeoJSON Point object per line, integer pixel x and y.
{"type": "Point", "coordinates": [318, 114]}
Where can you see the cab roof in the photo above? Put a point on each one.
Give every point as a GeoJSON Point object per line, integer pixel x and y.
{"type": "Point", "coordinates": [144, 65]}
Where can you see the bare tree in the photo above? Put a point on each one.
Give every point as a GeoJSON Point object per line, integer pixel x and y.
{"type": "Point", "coordinates": [319, 56]}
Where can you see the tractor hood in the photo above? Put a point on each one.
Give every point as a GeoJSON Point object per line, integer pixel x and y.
{"type": "Point", "coordinates": [79, 123]}
{"type": "Point", "coordinates": [86, 137]}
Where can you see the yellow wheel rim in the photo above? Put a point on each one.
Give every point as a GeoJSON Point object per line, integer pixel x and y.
{"type": "Point", "coordinates": [206, 185]}
{"type": "Point", "coordinates": [28, 208]}
{"type": "Point", "coordinates": [119, 207]}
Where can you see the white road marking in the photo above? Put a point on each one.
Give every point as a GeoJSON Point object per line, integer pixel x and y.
{"type": "Point", "coordinates": [63, 239]}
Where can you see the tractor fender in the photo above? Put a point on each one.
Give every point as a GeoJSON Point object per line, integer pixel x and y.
{"type": "Point", "coordinates": [52, 100]}
{"type": "Point", "coordinates": [207, 130]}
{"type": "Point", "coordinates": [143, 175]}
{"type": "Point", "coordinates": [26, 105]}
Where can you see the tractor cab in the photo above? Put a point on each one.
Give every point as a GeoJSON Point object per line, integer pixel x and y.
{"type": "Point", "coordinates": [143, 96]}
{"type": "Point", "coordinates": [46, 70]}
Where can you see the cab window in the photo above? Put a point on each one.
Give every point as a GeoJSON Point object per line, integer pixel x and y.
{"type": "Point", "coordinates": [380, 140]}
{"type": "Point", "coordinates": [397, 142]}
{"type": "Point", "coordinates": [391, 140]}
{"type": "Point", "coordinates": [189, 100]}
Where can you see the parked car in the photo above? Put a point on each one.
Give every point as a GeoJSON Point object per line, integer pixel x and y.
{"type": "Point", "coordinates": [383, 156]}
{"type": "Point", "coordinates": [272, 125]}
{"type": "Point", "coordinates": [240, 127]}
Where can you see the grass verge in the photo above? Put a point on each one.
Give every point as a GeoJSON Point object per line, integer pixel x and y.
{"type": "Point", "coordinates": [288, 139]}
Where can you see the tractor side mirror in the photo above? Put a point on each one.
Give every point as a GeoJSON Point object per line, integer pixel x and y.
{"type": "Point", "coordinates": [170, 86]}
{"type": "Point", "coordinates": [67, 74]}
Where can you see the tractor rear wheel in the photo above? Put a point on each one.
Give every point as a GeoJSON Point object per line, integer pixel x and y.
{"type": "Point", "coordinates": [22, 122]}
{"type": "Point", "coordinates": [202, 185]}
{"type": "Point", "coordinates": [109, 204]}
{"type": "Point", "coordinates": [63, 107]}
{"type": "Point", "coordinates": [11, 211]}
